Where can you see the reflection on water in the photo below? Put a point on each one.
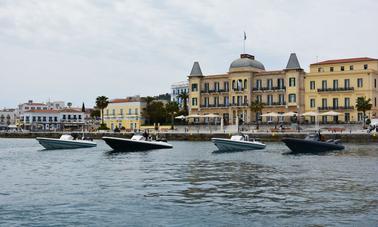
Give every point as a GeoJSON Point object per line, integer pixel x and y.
{"type": "Point", "coordinates": [187, 185]}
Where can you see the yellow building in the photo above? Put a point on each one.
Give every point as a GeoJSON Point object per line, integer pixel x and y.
{"type": "Point", "coordinates": [125, 113]}
{"type": "Point", "coordinates": [336, 85]}
{"type": "Point", "coordinates": [229, 95]}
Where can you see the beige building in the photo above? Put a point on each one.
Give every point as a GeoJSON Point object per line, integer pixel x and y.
{"type": "Point", "coordinates": [230, 94]}
{"type": "Point", "coordinates": [336, 85]}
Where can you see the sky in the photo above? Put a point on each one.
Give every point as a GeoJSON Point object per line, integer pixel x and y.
{"type": "Point", "coordinates": [76, 50]}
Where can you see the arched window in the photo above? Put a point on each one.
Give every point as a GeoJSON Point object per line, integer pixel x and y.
{"type": "Point", "coordinates": [245, 84]}
{"type": "Point", "coordinates": [233, 84]}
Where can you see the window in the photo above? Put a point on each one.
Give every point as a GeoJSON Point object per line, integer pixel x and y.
{"type": "Point", "coordinates": [335, 103]}
{"type": "Point", "coordinates": [312, 103]}
{"type": "Point", "coordinates": [206, 101]}
{"type": "Point", "coordinates": [34, 118]}
{"type": "Point", "coordinates": [194, 87]}
{"type": "Point", "coordinates": [55, 119]}
{"type": "Point", "coordinates": [270, 84]}
{"type": "Point", "coordinates": [375, 101]}
{"type": "Point", "coordinates": [281, 99]}
{"type": "Point", "coordinates": [39, 118]}
{"type": "Point", "coordinates": [113, 112]}
{"type": "Point", "coordinates": [351, 67]}
{"type": "Point", "coordinates": [44, 118]}
{"type": "Point", "coordinates": [346, 83]}
{"type": "Point", "coordinates": [375, 83]}
{"type": "Point", "coordinates": [233, 99]}
{"type": "Point", "coordinates": [74, 117]}
{"type": "Point", "coordinates": [335, 84]}
{"type": "Point", "coordinates": [33, 108]}
{"type": "Point", "coordinates": [269, 100]}
{"type": "Point", "coordinates": [258, 84]}
{"type": "Point", "coordinates": [342, 68]}
{"type": "Point", "coordinates": [129, 111]}
{"type": "Point", "coordinates": [360, 82]}
{"type": "Point", "coordinates": [225, 84]}
{"type": "Point", "coordinates": [347, 117]}
{"type": "Point", "coordinates": [259, 98]}
{"type": "Point", "coordinates": [225, 101]}
{"type": "Point", "coordinates": [245, 100]}
{"type": "Point", "coordinates": [366, 66]}
{"type": "Point", "coordinates": [312, 85]}
{"type": "Point", "coordinates": [292, 98]}
{"type": "Point", "coordinates": [136, 111]}
{"type": "Point", "coordinates": [292, 82]}
{"type": "Point", "coordinates": [206, 87]}
{"type": "Point", "coordinates": [64, 116]}
{"type": "Point", "coordinates": [69, 116]}
{"type": "Point", "coordinates": [280, 83]}
{"type": "Point", "coordinates": [331, 69]}
{"type": "Point", "coordinates": [245, 84]}
{"type": "Point", "coordinates": [216, 86]}
{"type": "Point", "coordinates": [324, 103]}
{"type": "Point", "coordinates": [360, 117]}
{"type": "Point", "coordinates": [26, 107]}
{"type": "Point", "coordinates": [346, 102]}
{"type": "Point", "coordinates": [320, 70]}
{"type": "Point", "coordinates": [324, 84]}
{"type": "Point", "coordinates": [121, 111]}
{"type": "Point", "coordinates": [194, 101]}
{"type": "Point", "coordinates": [79, 117]}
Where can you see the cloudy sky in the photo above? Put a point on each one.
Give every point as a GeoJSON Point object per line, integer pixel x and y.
{"type": "Point", "coordinates": [76, 50]}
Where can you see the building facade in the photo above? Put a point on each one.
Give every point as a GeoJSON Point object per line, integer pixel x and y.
{"type": "Point", "coordinates": [51, 120]}
{"type": "Point", "coordinates": [179, 88]}
{"type": "Point", "coordinates": [125, 113]}
{"type": "Point", "coordinates": [8, 117]}
{"type": "Point", "coordinates": [230, 94]}
{"type": "Point", "coordinates": [336, 85]}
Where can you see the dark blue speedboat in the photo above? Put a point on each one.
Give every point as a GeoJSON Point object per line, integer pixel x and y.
{"type": "Point", "coordinates": [312, 144]}
{"type": "Point", "coordinates": [136, 143]}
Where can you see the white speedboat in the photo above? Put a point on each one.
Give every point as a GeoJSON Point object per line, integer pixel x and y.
{"type": "Point", "coordinates": [136, 143]}
{"type": "Point", "coordinates": [65, 142]}
{"type": "Point", "coordinates": [237, 143]}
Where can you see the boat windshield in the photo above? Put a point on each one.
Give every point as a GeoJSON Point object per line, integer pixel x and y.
{"type": "Point", "coordinates": [66, 137]}
{"type": "Point", "coordinates": [138, 137]}
{"type": "Point", "coordinates": [237, 138]}
{"type": "Point", "coordinates": [312, 136]}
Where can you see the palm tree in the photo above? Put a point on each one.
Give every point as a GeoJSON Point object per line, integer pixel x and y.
{"type": "Point", "coordinates": [172, 108]}
{"type": "Point", "coordinates": [363, 105]}
{"type": "Point", "coordinates": [184, 97]}
{"type": "Point", "coordinates": [257, 107]}
{"type": "Point", "coordinates": [101, 103]}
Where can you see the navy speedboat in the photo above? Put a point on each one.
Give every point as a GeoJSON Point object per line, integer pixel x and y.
{"type": "Point", "coordinates": [136, 143]}
{"type": "Point", "coordinates": [312, 144]}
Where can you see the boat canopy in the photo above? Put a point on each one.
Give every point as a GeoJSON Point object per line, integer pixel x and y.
{"type": "Point", "coordinates": [66, 137]}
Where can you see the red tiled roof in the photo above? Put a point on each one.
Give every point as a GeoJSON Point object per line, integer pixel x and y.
{"type": "Point", "coordinates": [346, 60]}
{"type": "Point", "coordinates": [68, 110]}
{"type": "Point", "coordinates": [124, 100]}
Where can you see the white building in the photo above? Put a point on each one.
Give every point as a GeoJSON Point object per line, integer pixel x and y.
{"type": "Point", "coordinates": [8, 117]}
{"type": "Point", "coordinates": [45, 119]}
{"type": "Point", "coordinates": [178, 88]}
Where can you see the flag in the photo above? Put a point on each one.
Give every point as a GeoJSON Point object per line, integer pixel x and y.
{"type": "Point", "coordinates": [245, 36]}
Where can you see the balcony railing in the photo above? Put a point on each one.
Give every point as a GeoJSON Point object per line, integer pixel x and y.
{"type": "Point", "coordinates": [273, 104]}
{"type": "Point", "coordinates": [208, 91]}
{"type": "Point", "coordinates": [239, 104]}
{"type": "Point", "coordinates": [336, 89]}
{"type": "Point", "coordinates": [264, 89]}
{"type": "Point", "coordinates": [215, 106]}
{"type": "Point", "coordinates": [326, 108]}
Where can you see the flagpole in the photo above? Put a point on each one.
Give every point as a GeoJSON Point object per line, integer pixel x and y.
{"type": "Point", "coordinates": [244, 38]}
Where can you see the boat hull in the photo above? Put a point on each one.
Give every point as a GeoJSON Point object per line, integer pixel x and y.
{"type": "Point", "coordinates": [310, 146]}
{"type": "Point", "coordinates": [231, 145]}
{"type": "Point", "coordinates": [53, 144]}
{"type": "Point", "coordinates": [128, 145]}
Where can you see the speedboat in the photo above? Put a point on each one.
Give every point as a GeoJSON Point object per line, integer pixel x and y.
{"type": "Point", "coordinates": [136, 143]}
{"type": "Point", "coordinates": [65, 142]}
{"type": "Point", "coordinates": [312, 144]}
{"type": "Point", "coordinates": [237, 143]}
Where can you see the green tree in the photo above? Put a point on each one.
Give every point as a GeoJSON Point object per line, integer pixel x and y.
{"type": "Point", "coordinates": [157, 112]}
{"type": "Point", "coordinates": [147, 111]}
{"type": "Point", "coordinates": [172, 108]}
{"type": "Point", "coordinates": [95, 113]}
{"type": "Point", "coordinates": [83, 108]}
{"type": "Point", "coordinates": [184, 97]}
{"type": "Point", "coordinates": [101, 103]}
{"type": "Point", "coordinates": [256, 107]}
{"type": "Point", "coordinates": [363, 105]}
{"type": "Point", "coordinates": [69, 104]}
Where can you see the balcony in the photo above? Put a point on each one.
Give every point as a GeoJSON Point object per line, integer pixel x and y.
{"type": "Point", "coordinates": [240, 104]}
{"type": "Point", "coordinates": [240, 89]}
{"type": "Point", "coordinates": [269, 89]}
{"type": "Point", "coordinates": [214, 91]}
{"type": "Point", "coordinates": [340, 108]}
{"type": "Point", "coordinates": [275, 104]}
{"type": "Point", "coordinates": [215, 106]}
{"type": "Point", "coordinates": [340, 89]}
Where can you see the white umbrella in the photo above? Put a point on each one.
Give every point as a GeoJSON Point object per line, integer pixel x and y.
{"type": "Point", "coordinates": [193, 116]}
{"type": "Point", "coordinates": [289, 114]}
{"type": "Point", "coordinates": [311, 114]}
{"type": "Point", "coordinates": [271, 114]}
{"type": "Point", "coordinates": [211, 116]}
{"type": "Point", "coordinates": [181, 117]}
{"type": "Point", "coordinates": [330, 113]}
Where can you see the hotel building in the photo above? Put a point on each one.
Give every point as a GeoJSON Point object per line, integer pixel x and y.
{"type": "Point", "coordinates": [178, 88]}
{"type": "Point", "coordinates": [230, 94]}
{"type": "Point", "coordinates": [125, 113]}
{"type": "Point", "coordinates": [336, 85]}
